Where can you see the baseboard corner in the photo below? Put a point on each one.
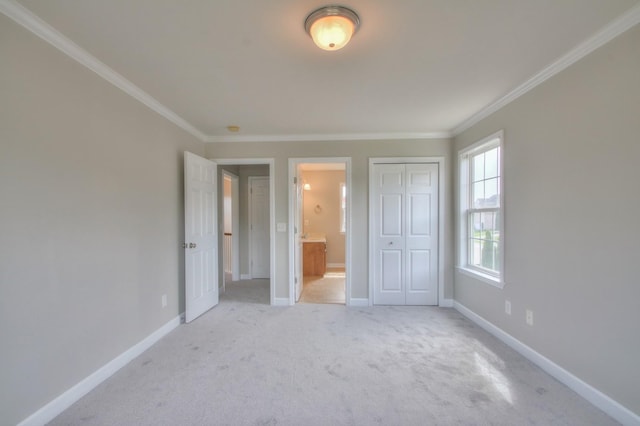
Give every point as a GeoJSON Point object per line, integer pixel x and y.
{"type": "Point", "coordinates": [358, 302]}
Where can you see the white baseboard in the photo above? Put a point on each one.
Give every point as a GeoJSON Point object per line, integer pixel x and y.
{"type": "Point", "coordinates": [281, 301]}
{"type": "Point", "coordinates": [58, 405]}
{"type": "Point", "coordinates": [355, 302]}
{"type": "Point", "coordinates": [245, 276]}
{"type": "Point", "coordinates": [446, 303]}
{"type": "Point", "coordinates": [588, 392]}
{"type": "Point", "coordinates": [335, 265]}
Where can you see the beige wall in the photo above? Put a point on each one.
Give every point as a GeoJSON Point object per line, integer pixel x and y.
{"type": "Point", "coordinates": [571, 192]}
{"type": "Point", "coordinates": [360, 152]}
{"type": "Point", "coordinates": [325, 193]}
{"type": "Point", "coordinates": [91, 222]}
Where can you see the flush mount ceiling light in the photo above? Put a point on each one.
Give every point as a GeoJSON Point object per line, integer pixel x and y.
{"type": "Point", "coordinates": [331, 27]}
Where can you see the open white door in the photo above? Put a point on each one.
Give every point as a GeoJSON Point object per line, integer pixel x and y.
{"type": "Point", "coordinates": [297, 253]}
{"type": "Point", "coordinates": [201, 241]}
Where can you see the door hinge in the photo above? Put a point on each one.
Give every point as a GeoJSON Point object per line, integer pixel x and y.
{"type": "Point", "coordinates": [295, 280]}
{"type": "Point", "coordinates": [295, 180]}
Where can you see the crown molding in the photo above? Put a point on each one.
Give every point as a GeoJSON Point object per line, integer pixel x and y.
{"type": "Point", "coordinates": [33, 23]}
{"type": "Point", "coordinates": [344, 137]}
{"type": "Point", "coordinates": [619, 25]}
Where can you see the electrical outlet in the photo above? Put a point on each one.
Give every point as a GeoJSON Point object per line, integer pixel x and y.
{"type": "Point", "coordinates": [507, 307]}
{"type": "Point", "coordinates": [529, 317]}
{"type": "Point", "coordinates": [164, 300]}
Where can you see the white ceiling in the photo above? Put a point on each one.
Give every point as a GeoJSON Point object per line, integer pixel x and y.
{"type": "Point", "coordinates": [415, 68]}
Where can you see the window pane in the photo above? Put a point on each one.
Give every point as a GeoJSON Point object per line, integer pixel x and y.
{"type": "Point", "coordinates": [488, 255]}
{"type": "Point", "coordinates": [483, 244]}
{"type": "Point", "coordinates": [483, 253]}
{"type": "Point", "coordinates": [477, 196]}
{"type": "Point", "coordinates": [474, 252]}
{"type": "Point", "coordinates": [491, 163]}
{"type": "Point", "coordinates": [488, 223]}
{"type": "Point", "coordinates": [491, 198]}
{"type": "Point", "coordinates": [478, 167]}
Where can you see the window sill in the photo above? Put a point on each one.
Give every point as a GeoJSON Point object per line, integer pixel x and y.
{"type": "Point", "coordinates": [486, 278]}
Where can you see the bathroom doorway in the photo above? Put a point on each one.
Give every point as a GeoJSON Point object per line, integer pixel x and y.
{"type": "Point", "coordinates": [320, 219]}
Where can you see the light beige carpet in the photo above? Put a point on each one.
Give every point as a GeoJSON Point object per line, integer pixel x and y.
{"type": "Point", "coordinates": [247, 363]}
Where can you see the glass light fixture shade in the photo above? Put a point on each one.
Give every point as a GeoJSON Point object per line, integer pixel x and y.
{"type": "Point", "coordinates": [331, 27]}
{"type": "Point", "coordinates": [331, 32]}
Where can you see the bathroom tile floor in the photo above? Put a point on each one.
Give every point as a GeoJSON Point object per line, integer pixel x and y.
{"type": "Point", "coordinates": [324, 289]}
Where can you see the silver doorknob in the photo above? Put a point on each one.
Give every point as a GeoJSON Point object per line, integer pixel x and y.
{"type": "Point", "coordinates": [184, 245]}
{"type": "Point", "coordinates": [192, 245]}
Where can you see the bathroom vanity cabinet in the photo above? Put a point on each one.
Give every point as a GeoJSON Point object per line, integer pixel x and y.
{"type": "Point", "coordinates": [314, 258]}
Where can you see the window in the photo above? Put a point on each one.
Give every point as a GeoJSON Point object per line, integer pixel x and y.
{"type": "Point", "coordinates": [343, 207]}
{"type": "Point", "coordinates": [481, 210]}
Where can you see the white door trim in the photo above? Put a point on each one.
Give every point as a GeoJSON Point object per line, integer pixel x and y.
{"type": "Point", "coordinates": [293, 168]}
{"type": "Point", "coordinates": [272, 213]}
{"type": "Point", "coordinates": [441, 216]}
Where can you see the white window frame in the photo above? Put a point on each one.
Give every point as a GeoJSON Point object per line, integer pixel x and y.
{"type": "Point", "coordinates": [464, 166]}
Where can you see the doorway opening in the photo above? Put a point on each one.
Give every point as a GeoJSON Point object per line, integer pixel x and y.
{"type": "Point", "coordinates": [247, 238]}
{"type": "Point", "coordinates": [231, 231]}
{"type": "Point", "coordinates": [319, 238]}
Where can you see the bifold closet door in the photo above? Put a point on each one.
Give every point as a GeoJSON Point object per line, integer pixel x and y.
{"type": "Point", "coordinates": [406, 240]}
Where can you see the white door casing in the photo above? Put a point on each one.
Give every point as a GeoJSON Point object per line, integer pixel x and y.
{"type": "Point", "coordinates": [201, 242]}
{"type": "Point", "coordinates": [259, 226]}
{"type": "Point", "coordinates": [405, 222]}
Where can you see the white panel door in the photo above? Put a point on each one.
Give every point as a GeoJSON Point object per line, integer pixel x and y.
{"type": "Point", "coordinates": [421, 234]}
{"type": "Point", "coordinates": [259, 226]}
{"type": "Point", "coordinates": [201, 242]}
{"type": "Point", "coordinates": [406, 241]}
{"type": "Point", "coordinates": [389, 275]}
